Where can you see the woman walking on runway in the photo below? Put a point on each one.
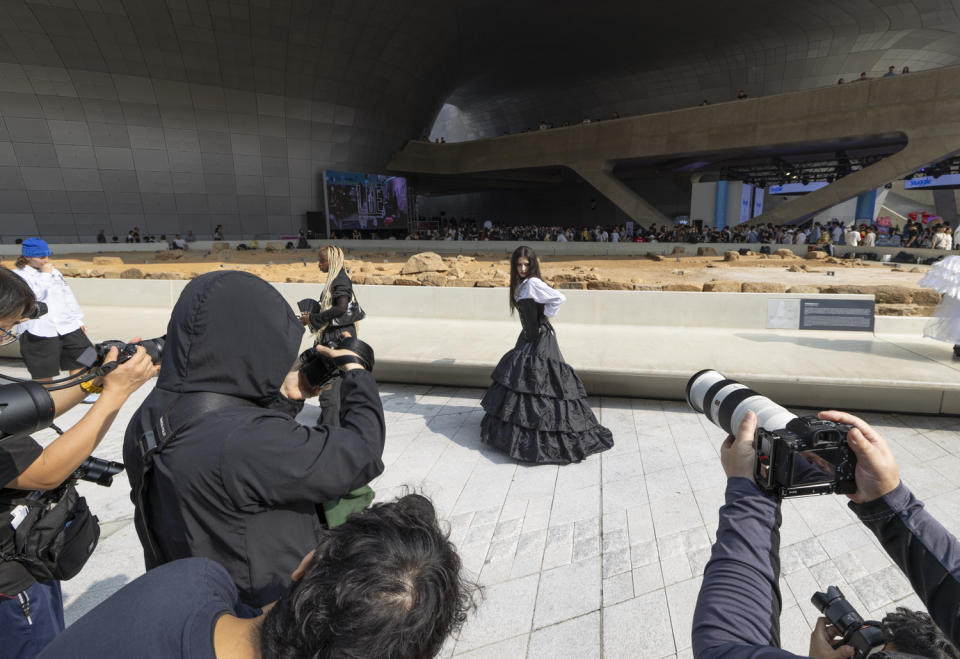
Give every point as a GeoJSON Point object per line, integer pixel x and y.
{"type": "Point", "coordinates": [536, 408]}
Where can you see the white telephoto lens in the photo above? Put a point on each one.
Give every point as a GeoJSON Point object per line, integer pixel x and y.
{"type": "Point", "coordinates": [698, 386]}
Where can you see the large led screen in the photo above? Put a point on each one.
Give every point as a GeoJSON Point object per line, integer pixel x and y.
{"type": "Point", "coordinates": [365, 201]}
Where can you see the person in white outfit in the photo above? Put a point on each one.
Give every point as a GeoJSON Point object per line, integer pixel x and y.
{"type": "Point", "coordinates": [55, 340]}
{"type": "Point", "coordinates": [944, 325]}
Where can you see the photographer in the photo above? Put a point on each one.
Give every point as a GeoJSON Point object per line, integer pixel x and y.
{"type": "Point", "coordinates": [331, 318]}
{"type": "Point", "coordinates": [31, 610]}
{"type": "Point", "coordinates": [386, 584]}
{"type": "Point", "coordinates": [738, 608]}
{"type": "Point", "coordinates": [237, 479]}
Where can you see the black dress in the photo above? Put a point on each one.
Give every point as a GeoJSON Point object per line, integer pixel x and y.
{"type": "Point", "coordinates": [536, 408]}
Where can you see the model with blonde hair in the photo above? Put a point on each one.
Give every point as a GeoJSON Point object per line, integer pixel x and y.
{"type": "Point", "coordinates": [330, 318]}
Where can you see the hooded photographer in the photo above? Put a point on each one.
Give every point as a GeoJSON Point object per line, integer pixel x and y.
{"type": "Point", "coordinates": [236, 478]}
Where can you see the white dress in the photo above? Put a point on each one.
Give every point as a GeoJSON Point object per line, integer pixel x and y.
{"type": "Point", "coordinates": [944, 277]}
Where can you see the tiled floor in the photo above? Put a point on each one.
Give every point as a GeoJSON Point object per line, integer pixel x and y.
{"type": "Point", "coordinates": [603, 558]}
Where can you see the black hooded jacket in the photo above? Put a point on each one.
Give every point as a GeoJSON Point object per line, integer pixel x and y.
{"type": "Point", "coordinates": [239, 485]}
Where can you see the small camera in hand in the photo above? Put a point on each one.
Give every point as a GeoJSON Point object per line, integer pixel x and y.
{"type": "Point", "coordinates": [318, 369]}
{"type": "Point", "coordinates": [796, 456]}
{"type": "Point", "coordinates": [864, 636]}
{"type": "Point", "coordinates": [95, 356]}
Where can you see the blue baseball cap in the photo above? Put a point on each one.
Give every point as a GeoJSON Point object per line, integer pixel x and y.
{"type": "Point", "coordinates": [35, 248]}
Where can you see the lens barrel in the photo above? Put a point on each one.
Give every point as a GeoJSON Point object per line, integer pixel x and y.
{"type": "Point", "coordinates": [725, 402]}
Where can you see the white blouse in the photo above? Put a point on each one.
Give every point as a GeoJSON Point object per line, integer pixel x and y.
{"type": "Point", "coordinates": [535, 289]}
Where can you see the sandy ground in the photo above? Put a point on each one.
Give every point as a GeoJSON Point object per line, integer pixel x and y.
{"type": "Point", "coordinates": [638, 272]}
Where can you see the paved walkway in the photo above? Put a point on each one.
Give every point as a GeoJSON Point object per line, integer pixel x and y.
{"type": "Point", "coordinates": [600, 559]}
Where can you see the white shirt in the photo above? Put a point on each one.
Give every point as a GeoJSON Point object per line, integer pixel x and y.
{"type": "Point", "coordinates": [614, 237]}
{"type": "Point", "coordinates": [942, 241]}
{"type": "Point", "coordinates": [534, 288]}
{"type": "Point", "coordinates": [63, 313]}
{"type": "Point", "coordinates": [801, 237]}
{"type": "Point", "coordinates": [852, 237]}
{"type": "Point", "coordinates": [561, 238]}
{"type": "Point", "coordinates": [870, 239]}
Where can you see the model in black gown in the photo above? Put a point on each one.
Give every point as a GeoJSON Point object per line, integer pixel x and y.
{"type": "Point", "coordinates": [536, 408]}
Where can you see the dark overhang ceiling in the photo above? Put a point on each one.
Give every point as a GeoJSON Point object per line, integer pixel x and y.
{"type": "Point", "coordinates": [563, 61]}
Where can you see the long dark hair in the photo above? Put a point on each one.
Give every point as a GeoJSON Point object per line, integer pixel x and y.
{"type": "Point", "coordinates": [532, 271]}
{"type": "Point", "coordinates": [16, 298]}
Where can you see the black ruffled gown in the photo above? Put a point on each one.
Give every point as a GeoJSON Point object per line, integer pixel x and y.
{"type": "Point", "coordinates": [536, 408]}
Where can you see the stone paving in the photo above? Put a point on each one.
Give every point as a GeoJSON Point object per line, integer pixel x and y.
{"type": "Point", "coordinates": [598, 559]}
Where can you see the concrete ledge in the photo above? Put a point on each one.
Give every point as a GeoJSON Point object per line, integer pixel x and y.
{"type": "Point", "coordinates": [623, 343]}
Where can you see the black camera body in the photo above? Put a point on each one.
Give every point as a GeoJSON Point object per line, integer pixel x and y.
{"type": "Point", "coordinates": [93, 357]}
{"type": "Point", "coordinates": [809, 456]}
{"type": "Point", "coordinates": [864, 636]}
{"type": "Point", "coordinates": [318, 369]}
{"type": "Point", "coordinates": [796, 456]}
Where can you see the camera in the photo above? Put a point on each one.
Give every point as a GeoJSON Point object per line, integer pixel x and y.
{"type": "Point", "coordinates": [318, 369]}
{"type": "Point", "coordinates": [93, 357]}
{"type": "Point", "coordinates": [796, 456]}
{"type": "Point", "coordinates": [38, 309]}
{"type": "Point", "coordinates": [864, 636]}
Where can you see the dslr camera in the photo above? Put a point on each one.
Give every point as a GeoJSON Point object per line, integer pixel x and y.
{"type": "Point", "coordinates": [864, 636]}
{"type": "Point", "coordinates": [318, 369]}
{"type": "Point", "coordinates": [796, 456]}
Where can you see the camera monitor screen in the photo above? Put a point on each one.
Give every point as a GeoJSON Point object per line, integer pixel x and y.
{"type": "Point", "coordinates": [365, 201]}
{"type": "Point", "coordinates": [816, 466]}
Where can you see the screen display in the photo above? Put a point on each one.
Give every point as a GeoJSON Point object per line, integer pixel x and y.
{"type": "Point", "coordinates": [365, 201]}
{"type": "Point", "coordinates": [948, 180]}
{"type": "Point", "coordinates": [816, 466]}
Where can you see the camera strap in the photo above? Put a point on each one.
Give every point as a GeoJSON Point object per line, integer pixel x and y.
{"type": "Point", "coordinates": [157, 433]}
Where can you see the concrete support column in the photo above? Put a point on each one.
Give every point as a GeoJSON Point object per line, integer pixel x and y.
{"type": "Point", "coordinates": [598, 174]}
{"type": "Point", "coordinates": [946, 203]}
{"type": "Point", "coordinates": [866, 202]}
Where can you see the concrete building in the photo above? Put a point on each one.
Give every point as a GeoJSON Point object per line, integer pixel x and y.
{"type": "Point", "coordinates": [173, 116]}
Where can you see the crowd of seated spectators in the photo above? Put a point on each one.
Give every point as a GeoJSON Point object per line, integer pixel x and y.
{"type": "Point", "coordinates": [834, 232]}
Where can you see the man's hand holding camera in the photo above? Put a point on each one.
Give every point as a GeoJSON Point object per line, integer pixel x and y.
{"type": "Point", "coordinates": [296, 385]}
{"type": "Point", "coordinates": [877, 473]}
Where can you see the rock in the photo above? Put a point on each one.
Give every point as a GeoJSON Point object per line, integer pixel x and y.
{"type": "Point", "coordinates": [380, 268]}
{"type": "Point", "coordinates": [609, 285]}
{"type": "Point", "coordinates": [379, 280]}
{"type": "Point", "coordinates": [750, 252]}
{"type": "Point", "coordinates": [795, 268]}
{"type": "Point", "coordinates": [683, 287]}
{"type": "Point", "coordinates": [762, 287]}
{"type": "Point", "coordinates": [914, 269]}
{"type": "Point", "coordinates": [424, 262]}
{"type": "Point", "coordinates": [274, 247]}
{"type": "Point", "coordinates": [406, 281]}
{"type": "Point", "coordinates": [656, 257]}
{"type": "Point", "coordinates": [169, 255]}
{"type": "Point", "coordinates": [785, 253]}
{"type": "Point", "coordinates": [816, 255]}
{"type": "Point", "coordinates": [163, 275]}
{"type": "Point", "coordinates": [848, 289]}
{"type": "Point", "coordinates": [572, 285]}
{"type": "Point", "coordinates": [706, 251]}
{"type": "Point", "coordinates": [132, 273]}
{"type": "Point", "coordinates": [721, 287]}
{"type": "Point", "coordinates": [566, 277]}
{"type": "Point", "coordinates": [894, 295]}
{"type": "Point", "coordinates": [107, 260]}
{"type": "Point", "coordinates": [220, 246]}
{"type": "Point", "coordinates": [455, 273]}
{"type": "Point", "coordinates": [731, 256]}
{"type": "Point", "coordinates": [295, 280]}
{"type": "Point", "coordinates": [93, 273]}
{"type": "Point", "coordinates": [647, 287]}
{"type": "Point", "coordinates": [926, 296]}
{"type": "Point", "coordinates": [904, 310]}
{"type": "Point", "coordinates": [804, 289]}
{"type": "Point", "coordinates": [432, 279]}
{"type": "Point", "coordinates": [679, 249]}
{"type": "Point", "coordinates": [70, 272]}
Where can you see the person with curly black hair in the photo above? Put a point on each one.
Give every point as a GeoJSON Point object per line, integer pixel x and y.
{"type": "Point", "coordinates": [388, 583]}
